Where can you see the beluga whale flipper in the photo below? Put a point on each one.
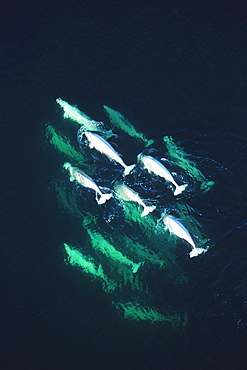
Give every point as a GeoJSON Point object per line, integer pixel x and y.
{"type": "Point", "coordinates": [129, 195]}
{"type": "Point", "coordinates": [153, 166]}
{"type": "Point", "coordinates": [86, 181]}
{"type": "Point", "coordinates": [177, 228]}
{"type": "Point", "coordinates": [101, 145]}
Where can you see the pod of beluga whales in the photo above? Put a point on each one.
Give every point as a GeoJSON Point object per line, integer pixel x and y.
{"type": "Point", "coordinates": [150, 230]}
{"type": "Point", "coordinates": [153, 166]}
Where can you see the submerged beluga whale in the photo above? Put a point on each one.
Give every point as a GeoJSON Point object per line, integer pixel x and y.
{"type": "Point", "coordinates": [129, 195]}
{"type": "Point", "coordinates": [153, 166]}
{"type": "Point", "coordinates": [86, 181]}
{"type": "Point", "coordinates": [97, 142]}
{"type": "Point", "coordinates": [177, 228]}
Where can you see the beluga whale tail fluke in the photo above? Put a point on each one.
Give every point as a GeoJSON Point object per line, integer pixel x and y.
{"type": "Point", "coordinates": [135, 267]}
{"type": "Point", "coordinates": [147, 210]}
{"type": "Point", "coordinates": [179, 189]}
{"type": "Point", "coordinates": [101, 199]}
{"type": "Point", "coordinates": [196, 251]}
{"type": "Point", "coordinates": [128, 169]}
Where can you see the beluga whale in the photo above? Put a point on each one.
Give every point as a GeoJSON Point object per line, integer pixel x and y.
{"type": "Point", "coordinates": [97, 142]}
{"type": "Point", "coordinates": [177, 228]}
{"type": "Point", "coordinates": [129, 195]}
{"type": "Point", "coordinates": [153, 166]}
{"type": "Point", "coordinates": [86, 181]}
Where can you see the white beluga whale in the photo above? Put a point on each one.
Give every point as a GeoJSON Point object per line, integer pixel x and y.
{"type": "Point", "coordinates": [81, 118]}
{"type": "Point", "coordinates": [73, 112]}
{"type": "Point", "coordinates": [129, 195]}
{"type": "Point", "coordinates": [153, 166]}
{"type": "Point", "coordinates": [177, 228]}
{"type": "Point", "coordinates": [86, 181]}
{"type": "Point", "coordinates": [101, 145]}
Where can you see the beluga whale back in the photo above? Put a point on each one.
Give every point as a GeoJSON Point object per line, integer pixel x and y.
{"type": "Point", "coordinates": [101, 145]}
{"type": "Point", "coordinates": [153, 166]}
{"type": "Point", "coordinates": [129, 195]}
{"type": "Point", "coordinates": [86, 181]}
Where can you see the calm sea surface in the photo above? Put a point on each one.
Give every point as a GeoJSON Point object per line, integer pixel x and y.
{"type": "Point", "coordinates": [172, 68]}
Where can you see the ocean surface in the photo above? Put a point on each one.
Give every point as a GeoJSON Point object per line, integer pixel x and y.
{"type": "Point", "coordinates": [174, 69]}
